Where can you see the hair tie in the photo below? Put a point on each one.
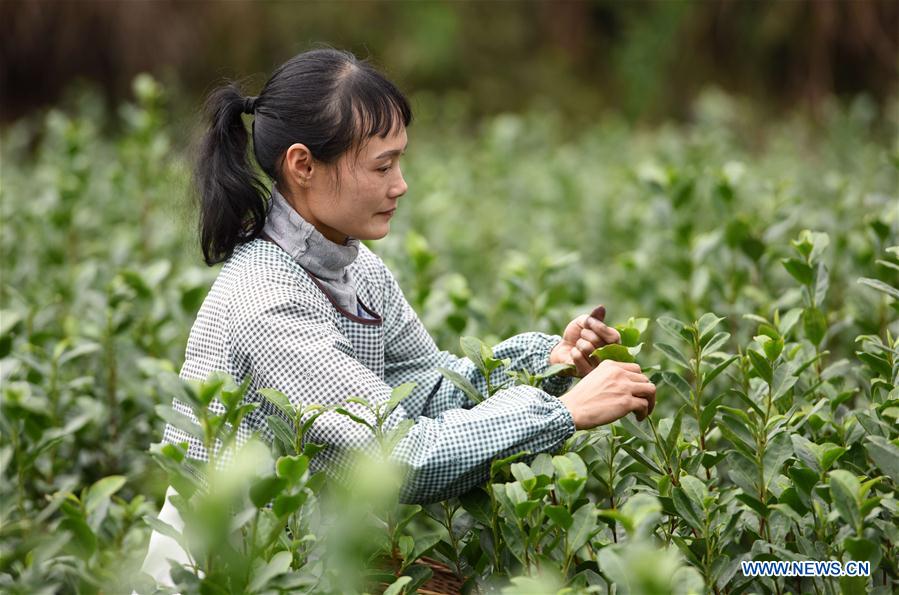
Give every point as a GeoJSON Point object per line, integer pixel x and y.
{"type": "Point", "coordinates": [249, 105]}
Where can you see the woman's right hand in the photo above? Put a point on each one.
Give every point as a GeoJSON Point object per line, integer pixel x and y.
{"type": "Point", "coordinates": [611, 391]}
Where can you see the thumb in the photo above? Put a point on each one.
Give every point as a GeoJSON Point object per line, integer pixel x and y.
{"type": "Point", "coordinates": [599, 313]}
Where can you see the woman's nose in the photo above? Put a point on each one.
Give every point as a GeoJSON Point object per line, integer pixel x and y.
{"type": "Point", "coordinates": [399, 188]}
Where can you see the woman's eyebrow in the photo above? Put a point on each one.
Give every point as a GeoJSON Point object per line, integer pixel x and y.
{"type": "Point", "coordinates": [391, 153]}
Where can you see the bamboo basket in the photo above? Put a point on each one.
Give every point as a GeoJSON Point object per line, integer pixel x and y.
{"type": "Point", "coordinates": [443, 582]}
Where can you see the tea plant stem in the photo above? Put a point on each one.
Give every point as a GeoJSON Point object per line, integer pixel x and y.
{"type": "Point", "coordinates": [448, 515]}
{"type": "Point", "coordinates": [612, 453]}
{"type": "Point", "coordinates": [20, 472]}
{"type": "Point", "coordinates": [568, 557]}
{"type": "Point", "coordinates": [762, 441]}
{"type": "Point", "coordinates": [664, 462]}
{"type": "Point", "coordinates": [708, 554]}
{"type": "Point", "coordinates": [527, 556]}
{"type": "Point", "coordinates": [697, 400]}
{"type": "Point", "coordinates": [53, 390]}
{"type": "Point", "coordinates": [54, 407]}
{"type": "Point", "coordinates": [494, 529]}
{"type": "Point", "coordinates": [111, 376]}
{"type": "Point", "coordinates": [251, 554]}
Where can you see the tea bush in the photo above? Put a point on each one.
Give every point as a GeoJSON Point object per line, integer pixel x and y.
{"type": "Point", "coordinates": [754, 271]}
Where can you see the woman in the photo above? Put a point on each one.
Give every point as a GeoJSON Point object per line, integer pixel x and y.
{"type": "Point", "coordinates": [303, 307]}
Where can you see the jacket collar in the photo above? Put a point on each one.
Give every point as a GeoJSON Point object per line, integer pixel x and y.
{"type": "Point", "coordinates": [305, 244]}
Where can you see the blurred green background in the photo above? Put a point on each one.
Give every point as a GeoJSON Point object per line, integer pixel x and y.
{"type": "Point", "coordinates": [646, 59]}
{"type": "Point", "coordinates": [658, 157]}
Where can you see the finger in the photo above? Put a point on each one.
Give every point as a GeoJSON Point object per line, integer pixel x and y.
{"type": "Point", "coordinates": [585, 346]}
{"type": "Point", "coordinates": [643, 389]}
{"type": "Point", "coordinates": [607, 333]}
{"type": "Point", "coordinates": [635, 376]}
{"type": "Point", "coordinates": [640, 407]}
{"type": "Point", "coordinates": [630, 367]}
{"type": "Point", "coordinates": [581, 364]}
{"type": "Point", "coordinates": [589, 335]}
{"type": "Point", "coordinates": [648, 395]}
{"type": "Point", "coordinates": [581, 320]}
{"type": "Point", "coordinates": [599, 312]}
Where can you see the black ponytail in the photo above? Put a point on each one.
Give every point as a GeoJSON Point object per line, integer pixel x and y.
{"type": "Point", "coordinates": [325, 98]}
{"type": "Point", "coordinates": [232, 207]}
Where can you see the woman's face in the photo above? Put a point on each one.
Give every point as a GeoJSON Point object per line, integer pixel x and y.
{"type": "Point", "coordinates": [361, 203]}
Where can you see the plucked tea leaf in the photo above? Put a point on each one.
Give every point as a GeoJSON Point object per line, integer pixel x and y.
{"type": "Point", "coordinates": [614, 352]}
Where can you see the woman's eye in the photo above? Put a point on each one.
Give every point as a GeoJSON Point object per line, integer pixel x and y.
{"type": "Point", "coordinates": [384, 169]}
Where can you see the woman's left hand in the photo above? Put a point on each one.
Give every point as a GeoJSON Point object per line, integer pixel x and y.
{"type": "Point", "coordinates": [582, 335]}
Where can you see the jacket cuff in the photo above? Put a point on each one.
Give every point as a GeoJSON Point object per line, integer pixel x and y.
{"type": "Point", "coordinates": [554, 385]}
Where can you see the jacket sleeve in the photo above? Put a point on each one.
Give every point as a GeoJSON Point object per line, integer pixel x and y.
{"type": "Point", "coordinates": [292, 344]}
{"type": "Point", "coordinates": [412, 356]}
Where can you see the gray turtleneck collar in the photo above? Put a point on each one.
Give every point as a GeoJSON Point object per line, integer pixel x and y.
{"type": "Point", "coordinates": [327, 261]}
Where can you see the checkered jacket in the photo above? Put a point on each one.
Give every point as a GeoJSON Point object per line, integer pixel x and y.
{"type": "Point", "coordinates": [268, 318]}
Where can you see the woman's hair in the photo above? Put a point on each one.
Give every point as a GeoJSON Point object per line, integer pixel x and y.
{"type": "Point", "coordinates": [326, 99]}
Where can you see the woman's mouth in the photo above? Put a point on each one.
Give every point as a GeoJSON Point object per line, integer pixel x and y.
{"type": "Point", "coordinates": [388, 213]}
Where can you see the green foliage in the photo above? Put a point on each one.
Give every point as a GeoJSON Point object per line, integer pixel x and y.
{"type": "Point", "coordinates": [772, 283]}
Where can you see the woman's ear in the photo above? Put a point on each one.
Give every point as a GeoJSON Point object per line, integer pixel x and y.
{"type": "Point", "coordinates": [298, 164]}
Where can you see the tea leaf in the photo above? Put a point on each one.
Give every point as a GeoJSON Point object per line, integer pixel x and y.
{"type": "Point", "coordinates": [863, 550]}
{"type": "Point", "coordinates": [687, 509]}
{"type": "Point", "coordinates": [559, 515]}
{"type": "Point", "coordinates": [815, 325]}
{"type": "Point", "coordinates": [777, 452]}
{"type": "Point", "coordinates": [398, 585]}
{"type": "Point", "coordinates": [630, 336]}
{"type": "Point", "coordinates": [583, 527]}
{"type": "Point", "coordinates": [475, 350]}
{"type": "Point", "coordinates": [673, 354]}
{"type": "Point", "coordinates": [844, 489]}
{"type": "Point", "coordinates": [462, 383]}
{"type": "Point", "coordinates": [180, 421]}
{"type": "Point", "coordinates": [885, 455]}
{"type": "Point", "coordinates": [716, 342]}
{"type": "Point", "coordinates": [264, 490]}
{"type": "Point", "coordinates": [286, 504]}
{"type": "Point", "coordinates": [760, 365]}
{"type": "Point", "coordinates": [279, 564]}
{"type": "Point", "coordinates": [709, 411]}
{"type": "Point", "coordinates": [279, 400]}
{"type": "Point", "coordinates": [644, 512]}
{"type": "Point", "coordinates": [100, 492]}
{"type": "Point", "coordinates": [706, 325]}
{"type": "Point", "coordinates": [799, 270]}
{"type": "Point", "coordinates": [292, 468]}
{"type": "Point", "coordinates": [881, 287]}
{"type": "Point", "coordinates": [283, 433]}
{"type": "Point", "coordinates": [477, 503]}
{"type": "Point", "coordinates": [641, 458]}
{"type": "Point", "coordinates": [524, 475]}
{"type": "Point", "coordinates": [677, 382]}
{"type": "Point", "coordinates": [615, 352]}
{"type": "Point", "coordinates": [397, 395]}
{"type": "Point", "coordinates": [675, 328]}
